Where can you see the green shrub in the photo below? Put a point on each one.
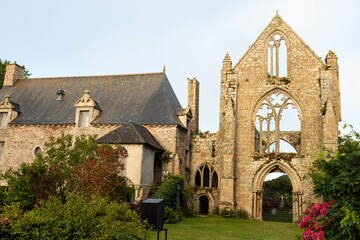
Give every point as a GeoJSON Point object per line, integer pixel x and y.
{"type": "Point", "coordinates": [242, 213]}
{"type": "Point", "coordinates": [78, 218]}
{"type": "Point", "coordinates": [228, 213]}
{"type": "Point", "coordinates": [336, 177]}
{"type": "Point", "coordinates": [172, 191]}
{"type": "Point", "coordinates": [171, 215]}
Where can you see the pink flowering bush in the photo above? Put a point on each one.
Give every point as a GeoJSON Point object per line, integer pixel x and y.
{"type": "Point", "coordinates": [315, 221]}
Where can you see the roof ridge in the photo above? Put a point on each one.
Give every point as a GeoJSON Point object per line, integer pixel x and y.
{"type": "Point", "coordinates": [135, 126]}
{"type": "Point", "coordinates": [113, 75]}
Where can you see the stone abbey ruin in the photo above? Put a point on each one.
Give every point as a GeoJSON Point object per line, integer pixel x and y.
{"type": "Point", "coordinates": [278, 103]}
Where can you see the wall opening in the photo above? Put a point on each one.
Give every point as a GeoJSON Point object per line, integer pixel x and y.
{"type": "Point", "coordinates": [277, 57]}
{"type": "Point", "coordinates": [157, 168]}
{"type": "Point", "coordinates": [277, 124]}
{"type": "Point", "coordinates": [277, 201]}
{"type": "Point", "coordinates": [204, 205]}
{"type": "Point", "coordinates": [206, 176]}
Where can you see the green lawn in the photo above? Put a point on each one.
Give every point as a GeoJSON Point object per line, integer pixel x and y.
{"type": "Point", "coordinates": [215, 227]}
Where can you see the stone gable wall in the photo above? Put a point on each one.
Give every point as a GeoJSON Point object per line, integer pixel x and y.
{"type": "Point", "coordinates": [312, 86]}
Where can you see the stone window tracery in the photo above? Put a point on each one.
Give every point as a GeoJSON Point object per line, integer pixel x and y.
{"type": "Point", "coordinates": [277, 124]}
{"type": "Point", "coordinates": [206, 176]}
{"type": "Point", "coordinates": [277, 56]}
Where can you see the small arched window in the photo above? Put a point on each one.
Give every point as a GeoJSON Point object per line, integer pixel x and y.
{"type": "Point", "coordinates": [206, 176]}
{"type": "Point", "coordinates": [214, 180]}
{"type": "Point", "coordinates": [37, 151]}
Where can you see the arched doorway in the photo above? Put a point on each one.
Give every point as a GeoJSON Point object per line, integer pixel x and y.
{"type": "Point", "coordinates": [277, 197]}
{"type": "Point", "coordinates": [204, 205]}
{"type": "Point", "coordinates": [258, 188]}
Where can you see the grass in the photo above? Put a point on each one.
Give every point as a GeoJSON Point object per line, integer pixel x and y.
{"type": "Point", "coordinates": [282, 215]}
{"type": "Point", "coordinates": [216, 227]}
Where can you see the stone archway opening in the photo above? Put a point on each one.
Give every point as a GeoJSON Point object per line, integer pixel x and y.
{"type": "Point", "coordinates": [277, 197]}
{"type": "Point", "coordinates": [277, 166]}
{"type": "Point", "coordinates": [203, 205]}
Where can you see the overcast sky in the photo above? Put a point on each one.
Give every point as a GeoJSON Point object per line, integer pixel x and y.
{"type": "Point", "coordinates": [75, 38]}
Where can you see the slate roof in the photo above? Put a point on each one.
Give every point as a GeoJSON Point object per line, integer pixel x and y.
{"type": "Point", "coordinates": [130, 133]}
{"type": "Point", "coordinates": [142, 98]}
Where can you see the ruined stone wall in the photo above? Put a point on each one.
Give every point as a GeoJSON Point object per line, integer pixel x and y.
{"type": "Point", "coordinates": [309, 82]}
{"type": "Point", "coordinates": [193, 102]}
{"type": "Point", "coordinates": [204, 151]}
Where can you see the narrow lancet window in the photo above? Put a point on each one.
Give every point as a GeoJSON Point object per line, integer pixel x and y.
{"type": "Point", "coordinates": [206, 176]}
{"type": "Point", "coordinates": [277, 57]}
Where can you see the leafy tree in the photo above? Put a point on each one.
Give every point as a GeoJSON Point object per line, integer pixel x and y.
{"type": "Point", "coordinates": [3, 70]}
{"type": "Point", "coordinates": [66, 168]}
{"type": "Point", "coordinates": [279, 185]}
{"type": "Point", "coordinates": [101, 175]}
{"type": "Point", "coordinates": [336, 176]}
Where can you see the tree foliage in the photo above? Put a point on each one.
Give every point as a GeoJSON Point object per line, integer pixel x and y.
{"type": "Point", "coordinates": [67, 167]}
{"type": "Point", "coordinates": [78, 218]}
{"type": "Point", "coordinates": [336, 176]}
{"type": "Point", "coordinates": [279, 185]}
{"type": "Point", "coordinates": [172, 191]}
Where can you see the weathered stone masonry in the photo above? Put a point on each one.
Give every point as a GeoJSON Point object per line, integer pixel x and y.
{"type": "Point", "coordinates": [313, 88]}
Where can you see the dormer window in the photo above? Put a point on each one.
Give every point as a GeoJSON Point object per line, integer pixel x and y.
{"type": "Point", "coordinates": [84, 119]}
{"type": "Point", "coordinates": [8, 111]}
{"type": "Point", "coordinates": [3, 119]}
{"type": "Point", "coordinates": [59, 94]}
{"type": "Point", "coordinates": [87, 110]}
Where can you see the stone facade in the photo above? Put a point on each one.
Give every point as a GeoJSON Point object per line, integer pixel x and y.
{"type": "Point", "coordinates": [227, 168]}
{"type": "Point", "coordinates": [23, 133]}
{"type": "Point", "coordinates": [242, 150]}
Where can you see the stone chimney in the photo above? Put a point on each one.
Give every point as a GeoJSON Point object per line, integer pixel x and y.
{"type": "Point", "coordinates": [193, 103]}
{"type": "Point", "coordinates": [13, 73]}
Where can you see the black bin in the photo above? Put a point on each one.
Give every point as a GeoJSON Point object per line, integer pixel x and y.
{"type": "Point", "coordinates": [152, 210]}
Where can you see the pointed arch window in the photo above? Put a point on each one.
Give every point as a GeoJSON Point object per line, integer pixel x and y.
{"type": "Point", "coordinates": [277, 56]}
{"type": "Point", "coordinates": [277, 124]}
{"type": "Point", "coordinates": [206, 176]}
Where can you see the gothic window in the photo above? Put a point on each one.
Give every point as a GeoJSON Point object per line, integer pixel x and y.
{"type": "Point", "coordinates": [84, 119]}
{"type": "Point", "coordinates": [206, 176]}
{"type": "Point", "coordinates": [277, 124]}
{"type": "Point", "coordinates": [3, 119]}
{"type": "Point", "coordinates": [277, 56]}
{"type": "Point", "coordinates": [214, 180]}
{"type": "Point", "coordinates": [198, 179]}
